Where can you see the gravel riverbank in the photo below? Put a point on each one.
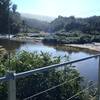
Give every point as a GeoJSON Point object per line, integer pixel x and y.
{"type": "Point", "coordinates": [92, 46]}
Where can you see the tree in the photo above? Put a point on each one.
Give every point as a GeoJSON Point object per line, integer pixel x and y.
{"type": "Point", "coordinates": [14, 7]}
{"type": "Point", "coordinates": [24, 26]}
{"type": "Point", "coordinates": [10, 20]}
{"type": "Point", "coordinates": [4, 16]}
{"type": "Point", "coordinates": [15, 20]}
{"type": "Point", "coordinates": [24, 61]}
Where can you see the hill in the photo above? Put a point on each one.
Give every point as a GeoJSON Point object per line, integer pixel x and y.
{"type": "Point", "coordinates": [88, 25]}
{"type": "Point", "coordinates": [34, 24]}
{"type": "Point", "coordinates": [74, 30]}
{"type": "Point", "coordinates": [37, 17]}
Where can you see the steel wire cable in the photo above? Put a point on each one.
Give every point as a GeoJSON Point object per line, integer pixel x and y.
{"type": "Point", "coordinates": [81, 91]}
{"type": "Point", "coordinates": [54, 87]}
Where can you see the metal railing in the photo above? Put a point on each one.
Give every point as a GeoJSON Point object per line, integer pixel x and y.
{"type": "Point", "coordinates": [11, 77]}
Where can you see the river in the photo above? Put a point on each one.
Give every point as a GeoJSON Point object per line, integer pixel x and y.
{"type": "Point", "coordinates": [88, 68]}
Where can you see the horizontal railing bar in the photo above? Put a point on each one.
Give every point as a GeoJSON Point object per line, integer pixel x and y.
{"type": "Point", "coordinates": [28, 73]}
{"type": "Point", "coordinates": [3, 79]}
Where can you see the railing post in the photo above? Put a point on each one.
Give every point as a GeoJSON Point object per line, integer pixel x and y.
{"type": "Point", "coordinates": [11, 85]}
{"type": "Point", "coordinates": [99, 79]}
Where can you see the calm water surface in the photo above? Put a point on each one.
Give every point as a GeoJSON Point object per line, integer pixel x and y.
{"type": "Point", "coordinates": [88, 68]}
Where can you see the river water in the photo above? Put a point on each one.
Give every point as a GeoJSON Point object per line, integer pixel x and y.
{"type": "Point", "coordinates": [88, 68]}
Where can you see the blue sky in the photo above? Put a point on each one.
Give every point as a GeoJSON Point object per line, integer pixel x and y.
{"type": "Point", "coordinates": [78, 8]}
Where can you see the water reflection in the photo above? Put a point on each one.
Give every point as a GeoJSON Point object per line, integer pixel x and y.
{"type": "Point", "coordinates": [88, 68]}
{"type": "Point", "coordinates": [10, 45]}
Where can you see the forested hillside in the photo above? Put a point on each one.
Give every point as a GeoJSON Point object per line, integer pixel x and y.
{"type": "Point", "coordinates": [88, 25]}
{"type": "Point", "coordinates": [74, 30]}
{"type": "Point", "coordinates": [12, 22]}
{"type": "Point", "coordinates": [34, 24]}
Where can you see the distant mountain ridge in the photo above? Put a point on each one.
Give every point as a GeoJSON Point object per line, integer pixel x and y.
{"type": "Point", "coordinates": [89, 25]}
{"type": "Point", "coordinates": [38, 17]}
{"type": "Point", "coordinates": [35, 24]}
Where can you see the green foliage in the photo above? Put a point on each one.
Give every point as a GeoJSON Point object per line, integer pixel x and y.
{"type": "Point", "coordinates": [74, 38]}
{"type": "Point", "coordinates": [4, 14]}
{"type": "Point", "coordinates": [85, 25]}
{"type": "Point", "coordinates": [15, 22]}
{"type": "Point", "coordinates": [24, 61]}
{"type": "Point", "coordinates": [74, 30]}
{"type": "Point", "coordinates": [10, 20]}
{"type": "Point", "coordinates": [14, 7]}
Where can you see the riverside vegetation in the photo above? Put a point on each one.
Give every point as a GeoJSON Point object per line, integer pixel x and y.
{"type": "Point", "coordinates": [74, 30]}
{"type": "Point", "coordinates": [72, 38]}
{"type": "Point", "coordinates": [24, 61]}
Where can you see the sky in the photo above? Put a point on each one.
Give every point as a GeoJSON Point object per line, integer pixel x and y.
{"type": "Point", "coordinates": [54, 8]}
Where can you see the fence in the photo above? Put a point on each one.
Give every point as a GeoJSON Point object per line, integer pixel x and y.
{"type": "Point", "coordinates": [11, 77]}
